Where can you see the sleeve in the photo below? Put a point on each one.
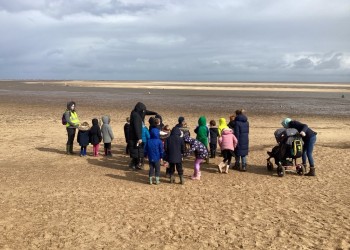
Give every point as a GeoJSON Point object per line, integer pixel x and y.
{"type": "Point", "coordinates": [220, 140]}
{"type": "Point", "coordinates": [183, 149]}
{"type": "Point", "coordinates": [236, 131]}
{"type": "Point", "coordinates": [160, 145]}
{"type": "Point", "coordinates": [235, 141]}
{"type": "Point", "coordinates": [67, 117]}
{"type": "Point", "coordinates": [299, 126]}
{"type": "Point", "coordinates": [145, 152]}
{"type": "Point", "coordinates": [78, 137]}
{"type": "Point", "coordinates": [148, 112]}
{"type": "Point", "coordinates": [99, 135]}
{"type": "Point", "coordinates": [137, 126]}
{"type": "Point", "coordinates": [110, 131]}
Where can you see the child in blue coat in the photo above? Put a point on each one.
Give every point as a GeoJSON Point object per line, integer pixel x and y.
{"type": "Point", "coordinates": [154, 152]}
{"type": "Point", "coordinates": [83, 137]}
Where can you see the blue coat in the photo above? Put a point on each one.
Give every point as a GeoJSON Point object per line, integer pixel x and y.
{"type": "Point", "coordinates": [83, 138]}
{"type": "Point", "coordinates": [154, 146]}
{"type": "Point", "coordinates": [241, 131]}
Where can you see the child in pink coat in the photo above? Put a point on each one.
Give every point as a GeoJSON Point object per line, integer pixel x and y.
{"type": "Point", "coordinates": [227, 142]}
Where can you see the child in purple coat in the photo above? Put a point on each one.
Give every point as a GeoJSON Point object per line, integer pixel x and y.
{"type": "Point", "coordinates": [201, 153]}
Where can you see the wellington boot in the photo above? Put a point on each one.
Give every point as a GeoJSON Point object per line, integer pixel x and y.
{"type": "Point", "coordinates": [67, 149]}
{"type": "Point", "coordinates": [311, 172]}
{"type": "Point", "coordinates": [71, 149]}
{"type": "Point", "coordinates": [182, 180]}
{"type": "Point", "coordinates": [244, 167]}
{"type": "Point", "coordinates": [150, 180]}
{"type": "Point", "coordinates": [157, 180]}
{"type": "Point", "coordinates": [220, 166]}
{"type": "Point", "coordinates": [226, 169]}
{"type": "Point", "coordinates": [172, 179]}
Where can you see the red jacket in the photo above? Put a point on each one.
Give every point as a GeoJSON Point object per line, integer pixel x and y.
{"type": "Point", "coordinates": [227, 140]}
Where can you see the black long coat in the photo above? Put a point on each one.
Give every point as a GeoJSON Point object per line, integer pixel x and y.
{"type": "Point", "coordinates": [137, 117]}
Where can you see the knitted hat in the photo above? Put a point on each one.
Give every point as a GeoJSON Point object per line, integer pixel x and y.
{"type": "Point", "coordinates": [285, 122]}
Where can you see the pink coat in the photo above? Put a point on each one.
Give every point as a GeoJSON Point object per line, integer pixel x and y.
{"type": "Point", "coordinates": [227, 140]}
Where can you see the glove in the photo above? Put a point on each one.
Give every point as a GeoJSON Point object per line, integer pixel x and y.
{"type": "Point", "coordinates": [302, 133]}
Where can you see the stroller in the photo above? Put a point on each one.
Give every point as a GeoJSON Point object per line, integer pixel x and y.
{"type": "Point", "coordinates": [286, 153]}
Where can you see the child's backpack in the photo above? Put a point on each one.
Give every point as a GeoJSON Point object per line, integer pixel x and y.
{"type": "Point", "coordinates": [297, 147]}
{"type": "Point", "coordinates": [64, 121]}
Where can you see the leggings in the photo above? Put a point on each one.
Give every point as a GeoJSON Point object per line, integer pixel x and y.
{"type": "Point", "coordinates": [95, 149]}
{"type": "Point", "coordinates": [227, 154]}
{"type": "Point", "coordinates": [197, 165]}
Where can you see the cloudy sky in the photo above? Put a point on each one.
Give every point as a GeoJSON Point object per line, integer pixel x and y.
{"type": "Point", "coordinates": [189, 40]}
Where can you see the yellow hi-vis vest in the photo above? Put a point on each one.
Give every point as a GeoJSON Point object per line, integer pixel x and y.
{"type": "Point", "coordinates": [74, 119]}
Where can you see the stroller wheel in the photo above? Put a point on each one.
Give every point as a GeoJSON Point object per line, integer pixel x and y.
{"type": "Point", "coordinates": [281, 170]}
{"type": "Point", "coordinates": [300, 169]}
{"type": "Point", "coordinates": [269, 165]}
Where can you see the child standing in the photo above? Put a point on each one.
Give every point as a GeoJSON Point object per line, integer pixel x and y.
{"type": "Point", "coordinates": [154, 152]}
{"type": "Point", "coordinates": [241, 130]}
{"type": "Point", "coordinates": [227, 142]}
{"type": "Point", "coordinates": [95, 136]}
{"type": "Point", "coordinates": [174, 148]}
{"type": "Point", "coordinates": [83, 137]}
{"type": "Point", "coordinates": [164, 134]}
{"type": "Point", "coordinates": [200, 152]}
{"type": "Point", "coordinates": [107, 135]}
{"type": "Point", "coordinates": [213, 135]}
{"type": "Point", "coordinates": [222, 125]}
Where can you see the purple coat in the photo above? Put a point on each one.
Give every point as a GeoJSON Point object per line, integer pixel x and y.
{"type": "Point", "coordinates": [201, 152]}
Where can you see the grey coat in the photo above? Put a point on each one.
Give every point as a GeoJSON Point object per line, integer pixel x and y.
{"type": "Point", "coordinates": [107, 133]}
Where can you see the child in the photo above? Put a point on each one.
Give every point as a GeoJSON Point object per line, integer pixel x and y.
{"type": "Point", "coordinates": [145, 138]}
{"type": "Point", "coordinates": [227, 142]}
{"type": "Point", "coordinates": [181, 121]}
{"type": "Point", "coordinates": [107, 135]}
{"type": "Point", "coordinates": [241, 132]}
{"type": "Point", "coordinates": [222, 125]}
{"type": "Point", "coordinates": [174, 148]}
{"type": "Point", "coordinates": [202, 132]}
{"type": "Point", "coordinates": [95, 137]}
{"type": "Point", "coordinates": [154, 152]}
{"type": "Point", "coordinates": [83, 137]}
{"type": "Point", "coordinates": [213, 134]}
{"type": "Point", "coordinates": [200, 152]}
{"type": "Point", "coordinates": [126, 134]}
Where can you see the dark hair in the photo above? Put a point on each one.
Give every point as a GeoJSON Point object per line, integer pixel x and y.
{"type": "Point", "coordinates": [156, 121]}
{"type": "Point", "coordinates": [212, 123]}
{"type": "Point", "coordinates": [232, 117]}
{"type": "Point", "coordinates": [238, 111]}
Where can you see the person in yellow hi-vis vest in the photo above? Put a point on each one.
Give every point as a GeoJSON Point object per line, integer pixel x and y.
{"type": "Point", "coordinates": [73, 123]}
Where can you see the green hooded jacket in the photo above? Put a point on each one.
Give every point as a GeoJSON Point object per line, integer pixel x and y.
{"type": "Point", "coordinates": [202, 131]}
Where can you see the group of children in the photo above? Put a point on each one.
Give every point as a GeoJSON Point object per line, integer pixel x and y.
{"type": "Point", "coordinates": [163, 146]}
{"type": "Point", "coordinates": [95, 135]}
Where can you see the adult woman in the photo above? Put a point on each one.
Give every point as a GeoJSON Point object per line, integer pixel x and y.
{"type": "Point", "coordinates": [136, 147]}
{"type": "Point", "coordinates": [72, 120]}
{"type": "Point", "coordinates": [241, 131]}
{"type": "Point", "coordinates": [309, 138]}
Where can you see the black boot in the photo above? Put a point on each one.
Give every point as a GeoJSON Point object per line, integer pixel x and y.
{"type": "Point", "coordinates": [311, 172]}
{"type": "Point", "coordinates": [244, 167]}
{"type": "Point", "coordinates": [211, 153]}
{"type": "Point", "coordinates": [182, 180]}
{"type": "Point", "coordinates": [214, 153]}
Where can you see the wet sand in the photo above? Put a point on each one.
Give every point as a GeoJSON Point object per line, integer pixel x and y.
{"type": "Point", "coordinates": [51, 200]}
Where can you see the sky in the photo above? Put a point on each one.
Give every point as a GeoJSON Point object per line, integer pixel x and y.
{"type": "Point", "coordinates": [178, 40]}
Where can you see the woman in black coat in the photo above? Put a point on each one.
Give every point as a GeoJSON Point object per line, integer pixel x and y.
{"type": "Point", "coordinates": [241, 131]}
{"type": "Point", "coordinates": [137, 118]}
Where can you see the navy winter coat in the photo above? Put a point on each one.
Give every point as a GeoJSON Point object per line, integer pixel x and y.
{"type": "Point", "coordinates": [83, 137]}
{"type": "Point", "coordinates": [174, 146]}
{"type": "Point", "coordinates": [154, 146]}
{"type": "Point", "coordinates": [241, 131]}
{"type": "Point", "coordinates": [302, 127]}
{"type": "Point", "coordinates": [213, 134]}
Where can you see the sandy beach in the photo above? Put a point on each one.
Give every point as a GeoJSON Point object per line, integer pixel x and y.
{"type": "Point", "coordinates": [51, 200]}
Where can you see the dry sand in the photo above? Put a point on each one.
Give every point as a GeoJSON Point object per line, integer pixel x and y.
{"type": "Point", "coordinates": [50, 200]}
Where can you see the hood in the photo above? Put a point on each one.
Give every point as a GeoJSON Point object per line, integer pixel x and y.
{"type": "Point", "coordinates": [84, 126]}
{"type": "Point", "coordinates": [222, 122]}
{"type": "Point", "coordinates": [152, 121]}
{"type": "Point", "coordinates": [106, 119]}
{"type": "Point", "coordinates": [285, 122]}
{"type": "Point", "coordinates": [94, 121]}
{"type": "Point", "coordinates": [181, 119]}
{"type": "Point", "coordinates": [140, 108]}
{"type": "Point", "coordinates": [159, 117]}
{"type": "Point", "coordinates": [69, 105]}
{"type": "Point", "coordinates": [202, 121]}
{"type": "Point", "coordinates": [227, 131]}
{"type": "Point", "coordinates": [241, 118]}
{"type": "Point", "coordinates": [154, 133]}
{"type": "Point", "coordinates": [175, 131]}
{"type": "Point", "coordinates": [188, 139]}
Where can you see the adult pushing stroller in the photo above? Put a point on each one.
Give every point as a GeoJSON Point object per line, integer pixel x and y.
{"type": "Point", "coordinates": [286, 153]}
